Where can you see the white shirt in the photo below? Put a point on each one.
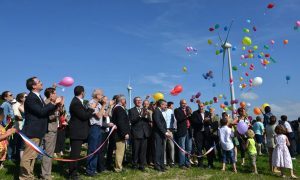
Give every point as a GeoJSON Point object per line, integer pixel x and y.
{"type": "Point", "coordinates": [93, 120]}
{"type": "Point", "coordinates": [202, 115]}
{"type": "Point", "coordinates": [81, 100]}
{"type": "Point", "coordinates": [288, 127]}
{"type": "Point", "coordinates": [225, 134]}
{"type": "Point", "coordinates": [38, 94]}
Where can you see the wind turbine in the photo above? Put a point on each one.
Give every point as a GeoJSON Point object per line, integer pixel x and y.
{"type": "Point", "coordinates": [129, 89]}
{"type": "Point", "coordinates": [226, 47]}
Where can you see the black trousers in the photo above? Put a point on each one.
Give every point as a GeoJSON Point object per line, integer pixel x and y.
{"type": "Point", "coordinates": [101, 164]}
{"type": "Point", "coordinates": [208, 143]}
{"type": "Point", "coordinates": [159, 150]}
{"type": "Point", "coordinates": [139, 149]}
{"type": "Point", "coordinates": [199, 140]}
{"type": "Point", "coordinates": [74, 154]}
{"type": "Point", "coordinates": [111, 147]}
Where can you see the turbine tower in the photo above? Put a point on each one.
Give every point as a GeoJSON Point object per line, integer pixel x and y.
{"type": "Point", "coordinates": [226, 48]}
{"type": "Point", "coordinates": [129, 89]}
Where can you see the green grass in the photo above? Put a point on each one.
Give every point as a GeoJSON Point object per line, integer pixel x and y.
{"type": "Point", "coordinates": [10, 171]}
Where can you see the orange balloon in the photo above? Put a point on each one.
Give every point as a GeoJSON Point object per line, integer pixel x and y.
{"type": "Point", "coordinates": [286, 41]}
{"type": "Point", "coordinates": [242, 104]}
{"type": "Point", "coordinates": [256, 111]}
{"type": "Point", "coordinates": [222, 106]}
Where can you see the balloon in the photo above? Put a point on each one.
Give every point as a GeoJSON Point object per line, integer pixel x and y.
{"type": "Point", "coordinates": [225, 28]}
{"type": "Point", "coordinates": [242, 127]}
{"type": "Point", "coordinates": [209, 41]}
{"type": "Point", "coordinates": [270, 6]}
{"type": "Point", "coordinates": [215, 99]}
{"type": "Point", "coordinates": [157, 96]}
{"type": "Point", "coordinates": [251, 55]}
{"type": "Point", "coordinates": [248, 105]}
{"type": "Point", "coordinates": [173, 93]}
{"type": "Point", "coordinates": [217, 52]}
{"type": "Point", "coordinates": [214, 85]}
{"type": "Point", "coordinates": [245, 64]}
{"type": "Point", "coordinates": [250, 118]}
{"type": "Point", "coordinates": [288, 78]}
{"type": "Point", "coordinates": [184, 69]}
{"type": "Point", "coordinates": [247, 41]}
{"type": "Point", "coordinates": [256, 111]}
{"type": "Point", "coordinates": [217, 26]}
{"type": "Point", "coordinates": [234, 68]}
{"type": "Point", "coordinates": [211, 102]}
{"type": "Point", "coordinates": [255, 47]}
{"type": "Point", "coordinates": [198, 95]}
{"type": "Point", "coordinates": [243, 48]}
{"type": "Point", "coordinates": [222, 106]}
{"type": "Point", "coordinates": [233, 48]}
{"type": "Point", "coordinates": [285, 41]}
{"type": "Point", "coordinates": [221, 96]}
{"type": "Point", "coordinates": [221, 50]}
{"type": "Point", "coordinates": [178, 89]}
{"type": "Point", "coordinates": [225, 108]}
{"type": "Point", "coordinates": [211, 29]}
{"type": "Point", "coordinates": [247, 74]}
{"type": "Point", "coordinates": [243, 104]}
{"type": "Point", "coordinates": [266, 47]}
{"type": "Point", "coordinates": [241, 78]}
{"type": "Point", "coordinates": [298, 23]}
{"type": "Point", "coordinates": [66, 82]}
{"type": "Point", "coordinates": [272, 42]}
{"type": "Point", "coordinates": [248, 21]}
{"type": "Point", "coordinates": [257, 81]}
{"type": "Point", "coordinates": [254, 28]}
{"type": "Point", "coordinates": [226, 103]}
{"type": "Point", "coordinates": [267, 55]}
{"type": "Point", "coordinates": [264, 106]}
{"type": "Point", "coordinates": [246, 30]}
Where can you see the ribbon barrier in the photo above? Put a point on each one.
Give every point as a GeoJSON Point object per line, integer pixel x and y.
{"type": "Point", "coordinates": [42, 152]}
{"type": "Point", "coordinates": [189, 154]}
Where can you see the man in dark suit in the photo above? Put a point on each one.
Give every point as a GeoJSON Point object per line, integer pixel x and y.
{"type": "Point", "coordinates": [79, 127]}
{"type": "Point", "coordinates": [159, 134]}
{"type": "Point", "coordinates": [35, 127]}
{"type": "Point", "coordinates": [140, 130]}
{"type": "Point", "coordinates": [184, 134]}
{"type": "Point", "coordinates": [198, 120]}
{"type": "Point", "coordinates": [121, 120]}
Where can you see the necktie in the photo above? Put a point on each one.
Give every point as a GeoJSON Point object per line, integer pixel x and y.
{"type": "Point", "coordinates": [42, 100]}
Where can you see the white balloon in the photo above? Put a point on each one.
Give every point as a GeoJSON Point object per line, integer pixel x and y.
{"type": "Point", "coordinates": [248, 104]}
{"type": "Point", "coordinates": [257, 81]}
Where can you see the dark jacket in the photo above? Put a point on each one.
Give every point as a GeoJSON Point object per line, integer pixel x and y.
{"type": "Point", "coordinates": [181, 121]}
{"type": "Point", "coordinates": [36, 115]}
{"type": "Point", "coordinates": [159, 123]}
{"type": "Point", "coordinates": [121, 120]}
{"type": "Point", "coordinates": [79, 122]}
{"type": "Point", "coordinates": [140, 127]}
{"type": "Point", "coordinates": [197, 121]}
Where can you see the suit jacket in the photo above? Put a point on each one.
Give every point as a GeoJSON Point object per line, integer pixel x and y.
{"type": "Point", "coordinates": [140, 127]}
{"type": "Point", "coordinates": [36, 116]}
{"type": "Point", "coordinates": [121, 120]}
{"type": "Point", "coordinates": [181, 122]}
{"type": "Point", "coordinates": [159, 123]}
{"type": "Point", "coordinates": [197, 121]}
{"type": "Point", "coordinates": [79, 122]}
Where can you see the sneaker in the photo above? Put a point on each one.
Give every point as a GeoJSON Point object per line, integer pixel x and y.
{"type": "Point", "coordinates": [293, 158]}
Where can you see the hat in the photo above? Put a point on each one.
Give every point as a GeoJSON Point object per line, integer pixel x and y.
{"type": "Point", "coordinates": [250, 133]}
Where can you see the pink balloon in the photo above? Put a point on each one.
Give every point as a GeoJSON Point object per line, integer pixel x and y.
{"type": "Point", "coordinates": [272, 42]}
{"type": "Point", "coordinates": [66, 81]}
{"type": "Point", "coordinates": [298, 23]}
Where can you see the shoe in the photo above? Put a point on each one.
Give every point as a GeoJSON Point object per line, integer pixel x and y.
{"type": "Point", "coordinates": [134, 167]}
{"type": "Point", "coordinates": [188, 166]}
{"type": "Point", "coordinates": [293, 158]}
{"type": "Point", "coordinates": [183, 167]}
{"type": "Point", "coordinates": [172, 165]}
{"type": "Point", "coordinates": [157, 168]}
{"type": "Point", "coordinates": [91, 174]}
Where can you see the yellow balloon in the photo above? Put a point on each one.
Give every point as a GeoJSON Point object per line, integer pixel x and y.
{"type": "Point", "coordinates": [241, 78]}
{"type": "Point", "coordinates": [247, 41]}
{"type": "Point", "coordinates": [244, 48]}
{"type": "Point", "coordinates": [264, 105]}
{"type": "Point", "coordinates": [251, 55]}
{"type": "Point", "coordinates": [184, 69]}
{"type": "Point", "coordinates": [209, 41]}
{"type": "Point", "coordinates": [220, 96]}
{"type": "Point", "coordinates": [157, 96]}
{"type": "Point", "coordinates": [255, 47]}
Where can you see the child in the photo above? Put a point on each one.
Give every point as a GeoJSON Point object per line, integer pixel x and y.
{"type": "Point", "coordinates": [3, 138]}
{"type": "Point", "coordinates": [281, 157]}
{"type": "Point", "coordinates": [251, 149]}
{"type": "Point", "coordinates": [258, 128]}
{"type": "Point", "coordinates": [270, 134]}
{"type": "Point", "coordinates": [226, 135]}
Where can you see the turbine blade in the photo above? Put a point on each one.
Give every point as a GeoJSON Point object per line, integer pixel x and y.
{"type": "Point", "coordinates": [228, 32]}
{"type": "Point", "coordinates": [220, 38]}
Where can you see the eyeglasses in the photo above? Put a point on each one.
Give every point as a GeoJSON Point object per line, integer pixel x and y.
{"type": "Point", "coordinates": [10, 95]}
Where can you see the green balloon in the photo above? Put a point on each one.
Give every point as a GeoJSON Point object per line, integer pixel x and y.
{"type": "Point", "coordinates": [234, 68]}
{"type": "Point", "coordinates": [211, 102]}
{"type": "Point", "coordinates": [217, 26]}
{"type": "Point", "coordinates": [217, 52]}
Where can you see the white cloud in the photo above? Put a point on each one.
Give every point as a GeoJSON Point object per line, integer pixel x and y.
{"type": "Point", "coordinates": [291, 109]}
{"type": "Point", "coordinates": [162, 79]}
{"type": "Point", "coordinates": [249, 96]}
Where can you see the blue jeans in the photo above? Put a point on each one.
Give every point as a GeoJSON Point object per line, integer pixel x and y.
{"type": "Point", "coordinates": [186, 143]}
{"type": "Point", "coordinates": [94, 141]}
{"type": "Point", "coordinates": [228, 156]}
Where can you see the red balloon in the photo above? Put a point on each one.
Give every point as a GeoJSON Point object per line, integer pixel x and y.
{"type": "Point", "coordinates": [173, 93]}
{"type": "Point", "coordinates": [178, 89]}
{"type": "Point", "coordinates": [270, 6]}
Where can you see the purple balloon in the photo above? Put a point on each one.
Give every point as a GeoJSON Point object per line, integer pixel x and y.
{"type": "Point", "coordinates": [198, 95]}
{"type": "Point", "coordinates": [242, 127]}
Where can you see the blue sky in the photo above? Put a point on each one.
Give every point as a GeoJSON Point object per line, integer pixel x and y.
{"type": "Point", "coordinates": [104, 43]}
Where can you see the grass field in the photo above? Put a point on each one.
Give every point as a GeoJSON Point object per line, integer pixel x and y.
{"type": "Point", "coordinates": [10, 171]}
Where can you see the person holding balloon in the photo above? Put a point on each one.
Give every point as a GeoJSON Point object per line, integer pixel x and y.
{"type": "Point", "coordinates": [251, 149]}
{"type": "Point", "coordinates": [242, 117]}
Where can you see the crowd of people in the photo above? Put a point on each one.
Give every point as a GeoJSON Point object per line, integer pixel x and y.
{"type": "Point", "coordinates": [154, 133]}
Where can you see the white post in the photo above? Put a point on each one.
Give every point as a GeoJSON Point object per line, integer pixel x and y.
{"type": "Point", "coordinates": [228, 46]}
{"type": "Point", "coordinates": [129, 88]}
